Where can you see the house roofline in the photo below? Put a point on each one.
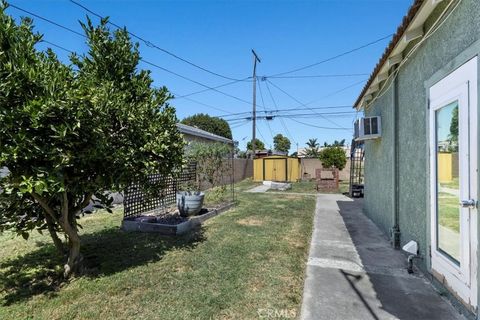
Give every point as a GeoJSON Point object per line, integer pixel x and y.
{"type": "Point", "coordinates": [183, 128]}
{"type": "Point", "coordinates": [411, 28]}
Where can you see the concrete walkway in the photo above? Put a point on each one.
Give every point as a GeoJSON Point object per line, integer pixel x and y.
{"type": "Point", "coordinates": [259, 189]}
{"type": "Point", "coordinates": [354, 273]}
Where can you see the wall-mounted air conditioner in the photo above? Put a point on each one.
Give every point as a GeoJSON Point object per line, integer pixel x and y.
{"type": "Point", "coordinates": [368, 128]}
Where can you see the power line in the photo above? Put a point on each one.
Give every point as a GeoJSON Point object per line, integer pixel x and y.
{"type": "Point", "coordinates": [152, 45]}
{"type": "Point", "coordinates": [194, 81]}
{"type": "Point", "coordinates": [203, 104]}
{"type": "Point", "coordinates": [320, 127]}
{"type": "Point", "coordinates": [282, 122]}
{"type": "Point", "coordinates": [334, 57]}
{"type": "Point", "coordinates": [144, 61]}
{"type": "Point", "coordinates": [260, 133]}
{"type": "Point", "coordinates": [299, 115]}
{"type": "Point", "coordinates": [320, 76]}
{"type": "Point", "coordinates": [57, 46]}
{"type": "Point", "coordinates": [340, 90]}
{"type": "Point", "coordinates": [216, 87]}
{"type": "Point", "coordinates": [239, 125]}
{"type": "Point", "coordinates": [264, 108]}
{"type": "Point", "coordinates": [47, 20]}
{"type": "Point", "coordinates": [192, 100]}
{"type": "Point", "coordinates": [286, 110]}
{"type": "Point", "coordinates": [301, 103]}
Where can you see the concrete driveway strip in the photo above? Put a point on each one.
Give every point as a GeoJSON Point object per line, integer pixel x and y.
{"type": "Point", "coordinates": [354, 273]}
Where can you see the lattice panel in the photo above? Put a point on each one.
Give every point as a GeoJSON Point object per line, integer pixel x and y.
{"type": "Point", "coordinates": [137, 202]}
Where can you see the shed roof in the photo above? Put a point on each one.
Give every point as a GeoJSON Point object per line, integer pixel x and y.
{"type": "Point", "coordinates": [193, 131]}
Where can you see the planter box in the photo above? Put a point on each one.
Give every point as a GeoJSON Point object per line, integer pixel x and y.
{"type": "Point", "coordinates": [149, 224]}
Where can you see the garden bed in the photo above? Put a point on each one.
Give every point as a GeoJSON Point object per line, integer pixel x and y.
{"type": "Point", "coordinates": [171, 224]}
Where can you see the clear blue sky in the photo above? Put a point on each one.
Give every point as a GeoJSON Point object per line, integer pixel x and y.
{"type": "Point", "coordinates": [219, 36]}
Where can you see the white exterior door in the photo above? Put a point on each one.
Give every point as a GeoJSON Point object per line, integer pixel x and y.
{"type": "Point", "coordinates": [453, 177]}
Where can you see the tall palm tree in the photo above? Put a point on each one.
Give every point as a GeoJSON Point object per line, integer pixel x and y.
{"type": "Point", "coordinates": [312, 148]}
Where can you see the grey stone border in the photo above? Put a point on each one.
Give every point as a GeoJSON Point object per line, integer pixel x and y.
{"type": "Point", "coordinates": [173, 230]}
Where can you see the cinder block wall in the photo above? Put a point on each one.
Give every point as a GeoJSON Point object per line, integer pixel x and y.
{"type": "Point", "coordinates": [309, 165]}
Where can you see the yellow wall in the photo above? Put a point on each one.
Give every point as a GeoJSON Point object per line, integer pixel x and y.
{"type": "Point", "coordinates": [444, 167]}
{"type": "Point", "coordinates": [275, 169]}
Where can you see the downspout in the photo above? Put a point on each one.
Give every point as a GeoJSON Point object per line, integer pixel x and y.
{"type": "Point", "coordinates": [396, 172]}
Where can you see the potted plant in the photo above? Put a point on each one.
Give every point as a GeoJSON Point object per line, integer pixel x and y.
{"type": "Point", "coordinates": [189, 199]}
{"type": "Point", "coordinates": [210, 158]}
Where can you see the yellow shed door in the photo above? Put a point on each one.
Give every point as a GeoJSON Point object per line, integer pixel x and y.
{"type": "Point", "coordinates": [275, 169]}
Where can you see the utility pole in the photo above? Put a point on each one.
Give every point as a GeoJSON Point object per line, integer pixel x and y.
{"type": "Point", "coordinates": [254, 115]}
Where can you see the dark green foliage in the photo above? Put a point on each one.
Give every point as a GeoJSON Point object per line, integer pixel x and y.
{"type": "Point", "coordinates": [259, 145]}
{"type": "Point", "coordinates": [281, 143]}
{"type": "Point", "coordinates": [70, 133]}
{"type": "Point", "coordinates": [210, 124]}
{"type": "Point", "coordinates": [336, 143]}
{"type": "Point", "coordinates": [212, 160]}
{"type": "Point", "coordinates": [333, 157]}
{"type": "Point", "coordinates": [453, 136]}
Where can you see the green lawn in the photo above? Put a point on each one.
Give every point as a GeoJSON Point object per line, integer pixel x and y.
{"type": "Point", "coordinates": [252, 257]}
{"type": "Point", "coordinates": [454, 184]}
{"type": "Point", "coordinates": [449, 211]}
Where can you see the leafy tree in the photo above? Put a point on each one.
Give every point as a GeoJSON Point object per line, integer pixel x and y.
{"type": "Point", "coordinates": [212, 161]}
{"type": "Point", "coordinates": [210, 124]}
{"type": "Point", "coordinates": [453, 136]}
{"type": "Point", "coordinates": [281, 143]}
{"type": "Point", "coordinates": [70, 134]}
{"type": "Point", "coordinates": [333, 157]}
{"type": "Point", "coordinates": [312, 148]}
{"type": "Point", "coordinates": [259, 145]}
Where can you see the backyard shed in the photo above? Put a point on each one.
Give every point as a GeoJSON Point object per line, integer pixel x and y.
{"type": "Point", "coordinates": [276, 168]}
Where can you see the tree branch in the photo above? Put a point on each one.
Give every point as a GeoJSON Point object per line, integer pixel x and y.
{"type": "Point", "coordinates": [65, 208]}
{"type": "Point", "coordinates": [43, 203]}
{"type": "Point", "coordinates": [83, 204]}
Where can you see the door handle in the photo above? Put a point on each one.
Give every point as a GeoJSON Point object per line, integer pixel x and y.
{"type": "Point", "coordinates": [471, 204]}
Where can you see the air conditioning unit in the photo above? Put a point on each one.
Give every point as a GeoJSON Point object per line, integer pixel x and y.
{"type": "Point", "coordinates": [368, 128]}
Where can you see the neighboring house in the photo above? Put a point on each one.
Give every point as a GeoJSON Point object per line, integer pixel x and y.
{"type": "Point", "coordinates": [422, 174]}
{"type": "Point", "coordinates": [268, 153]}
{"type": "Point", "coordinates": [194, 134]}
{"type": "Point", "coordinates": [243, 168]}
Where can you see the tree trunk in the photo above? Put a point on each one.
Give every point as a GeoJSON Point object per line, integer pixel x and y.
{"type": "Point", "coordinates": [56, 240]}
{"type": "Point", "coordinates": [68, 223]}
{"type": "Point", "coordinates": [75, 259]}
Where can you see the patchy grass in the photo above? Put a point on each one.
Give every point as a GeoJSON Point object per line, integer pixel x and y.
{"type": "Point", "coordinates": [449, 211]}
{"type": "Point", "coordinates": [249, 258]}
{"type": "Point", "coordinates": [453, 184]}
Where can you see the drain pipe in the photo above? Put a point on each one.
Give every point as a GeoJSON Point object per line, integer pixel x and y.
{"type": "Point", "coordinates": [396, 217]}
{"type": "Point", "coordinates": [410, 262]}
{"type": "Point", "coordinates": [412, 248]}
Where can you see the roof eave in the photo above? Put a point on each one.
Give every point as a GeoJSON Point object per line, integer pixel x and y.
{"type": "Point", "coordinates": [412, 28]}
{"type": "Point", "coordinates": [185, 129]}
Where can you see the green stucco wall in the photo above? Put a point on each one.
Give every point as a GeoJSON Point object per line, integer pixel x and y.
{"type": "Point", "coordinates": [457, 34]}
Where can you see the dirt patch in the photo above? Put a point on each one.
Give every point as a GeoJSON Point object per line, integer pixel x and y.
{"type": "Point", "coordinates": [295, 242]}
{"type": "Point", "coordinates": [251, 221]}
{"type": "Point", "coordinates": [256, 284]}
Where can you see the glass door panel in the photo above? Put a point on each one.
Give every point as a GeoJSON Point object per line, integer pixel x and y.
{"type": "Point", "coordinates": [448, 185]}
